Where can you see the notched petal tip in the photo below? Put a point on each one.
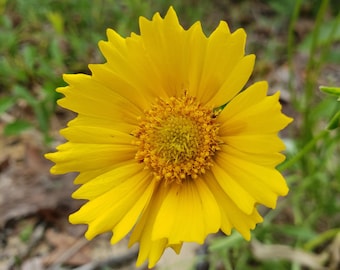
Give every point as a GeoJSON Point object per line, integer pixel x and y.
{"type": "Point", "coordinates": [171, 16]}
{"type": "Point", "coordinates": [240, 33]}
{"type": "Point", "coordinates": [170, 19]}
{"type": "Point", "coordinates": [288, 119]}
{"type": "Point", "coordinates": [93, 231]}
{"type": "Point", "coordinates": [69, 77]}
{"type": "Point", "coordinates": [112, 34]}
{"type": "Point", "coordinates": [263, 85]}
{"type": "Point", "coordinates": [142, 20]}
{"type": "Point", "coordinates": [89, 236]}
{"type": "Point", "coordinates": [171, 10]}
{"type": "Point", "coordinates": [224, 27]}
{"type": "Point", "coordinates": [102, 44]}
{"type": "Point", "coordinates": [251, 59]}
{"type": "Point", "coordinates": [246, 235]}
{"type": "Point", "coordinates": [197, 31]}
{"type": "Point", "coordinates": [284, 191]}
{"type": "Point", "coordinates": [73, 218]}
{"type": "Point", "coordinates": [62, 89]}
{"type": "Point", "coordinates": [246, 232]}
{"type": "Point", "coordinates": [78, 194]}
{"type": "Point", "coordinates": [48, 156]}
{"type": "Point", "coordinates": [285, 118]}
{"type": "Point", "coordinates": [51, 157]}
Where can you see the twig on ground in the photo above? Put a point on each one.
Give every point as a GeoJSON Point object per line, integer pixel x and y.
{"type": "Point", "coordinates": [117, 261]}
{"type": "Point", "coordinates": [36, 237]}
{"type": "Point", "coordinates": [68, 253]}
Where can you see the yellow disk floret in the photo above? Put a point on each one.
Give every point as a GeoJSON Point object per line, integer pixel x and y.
{"type": "Point", "coordinates": [177, 138]}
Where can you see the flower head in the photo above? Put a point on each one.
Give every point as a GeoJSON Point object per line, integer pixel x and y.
{"type": "Point", "coordinates": [166, 144]}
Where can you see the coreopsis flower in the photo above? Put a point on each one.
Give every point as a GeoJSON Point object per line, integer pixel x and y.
{"type": "Point", "coordinates": [166, 143]}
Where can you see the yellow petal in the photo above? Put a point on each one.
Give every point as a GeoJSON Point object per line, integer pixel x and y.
{"type": "Point", "coordinates": [217, 66]}
{"type": "Point", "coordinates": [120, 84]}
{"type": "Point", "coordinates": [107, 181]}
{"type": "Point", "coordinates": [95, 122]}
{"type": "Point", "coordinates": [130, 219]}
{"type": "Point", "coordinates": [188, 213]}
{"type": "Point", "coordinates": [230, 186]}
{"type": "Point", "coordinates": [95, 135]}
{"type": "Point", "coordinates": [117, 41]}
{"type": "Point", "coordinates": [166, 56]}
{"type": "Point", "coordinates": [234, 217]}
{"type": "Point", "coordinates": [235, 81]}
{"type": "Point", "coordinates": [255, 143]}
{"type": "Point", "coordinates": [195, 49]}
{"type": "Point", "coordinates": [79, 157]}
{"type": "Point", "coordinates": [149, 249]}
{"type": "Point", "coordinates": [128, 71]}
{"type": "Point", "coordinates": [80, 98]}
{"type": "Point", "coordinates": [105, 211]}
{"type": "Point", "coordinates": [260, 118]}
{"type": "Point", "coordinates": [263, 183]}
{"type": "Point", "coordinates": [145, 67]}
{"type": "Point", "coordinates": [248, 98]}
{"type": "Point", "coordinates": [84, 177]}
{"type": "Point", "coordinates": [265, 159]}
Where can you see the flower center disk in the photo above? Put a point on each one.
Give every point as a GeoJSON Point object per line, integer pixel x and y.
{"type": "Point", "coordinates": [177, 139]}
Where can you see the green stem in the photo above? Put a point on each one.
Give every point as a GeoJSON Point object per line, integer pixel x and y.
{"type": "Point", "coordinates": [291, 46]}
{"type": "Point", "coordinates": [309, 146]}
{"type": "Point", "coordinates": [315, 37]}
{"type": "Point", "coordinates": [311, 72]}
{"type": "Point", "coordinates": [322, 238]}
{"type": "Point", "coordinates": [327, 47]}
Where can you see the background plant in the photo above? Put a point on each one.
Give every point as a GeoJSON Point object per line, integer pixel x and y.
{"type": "Point", "coordinates": [41, 40]}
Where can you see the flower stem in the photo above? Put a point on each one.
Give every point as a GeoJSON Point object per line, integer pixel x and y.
{"type": "Point", "coordinates": [309, 146]}
{"type": "Point", "coordinates": [313, 66]}
{"type": "Point", "coordinates": [322, 238]}
{"type": "Point", "coordinates": [291, 46]}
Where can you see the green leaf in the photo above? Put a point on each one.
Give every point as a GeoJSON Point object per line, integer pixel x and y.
{"type": "Point", "coordinates": [226, 242]}
{"type": "Point", "coordinates": [335, 122]}
{"type": "Point", "coordinates": [26, 233]}
{"type": "Point", "coordinates": [16, 127]}
{"type": "Point", "coordinates": [30, 57]}
{"type": "Point", "coordinates": [42, 116]}
{"type": "Point", "coordinates": [323, 35]}
{"type": "Point", "coordinates": [330, 90]}
{"type": "Point", "coordinates": [6, 103]}
{"type": "Point", "coordinates": [301, 232]}
{"type": "Point", "coordinates": [2, 6]}
{"type": "Point", "coordinates": [22, 92]}
{"type": "Point", "coordinates": [57, 21]}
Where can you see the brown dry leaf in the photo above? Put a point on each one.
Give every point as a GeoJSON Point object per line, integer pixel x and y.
{"type": "Point", "coordinates": [67, 249]}
{"type": "Point", "coordinates": [26, 186]}
{"type": "Point", "coordinates": [283, 252]}
{"type": "Point", "coordinates": [334, 250]}
{"type": "Point", "coordinates": [25, 194]}
{"type": "Point", "coordinates": [33, 264]}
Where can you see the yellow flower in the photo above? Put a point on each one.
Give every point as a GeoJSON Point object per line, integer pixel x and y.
{"type": "Point", "coordinates": [165, 143]}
